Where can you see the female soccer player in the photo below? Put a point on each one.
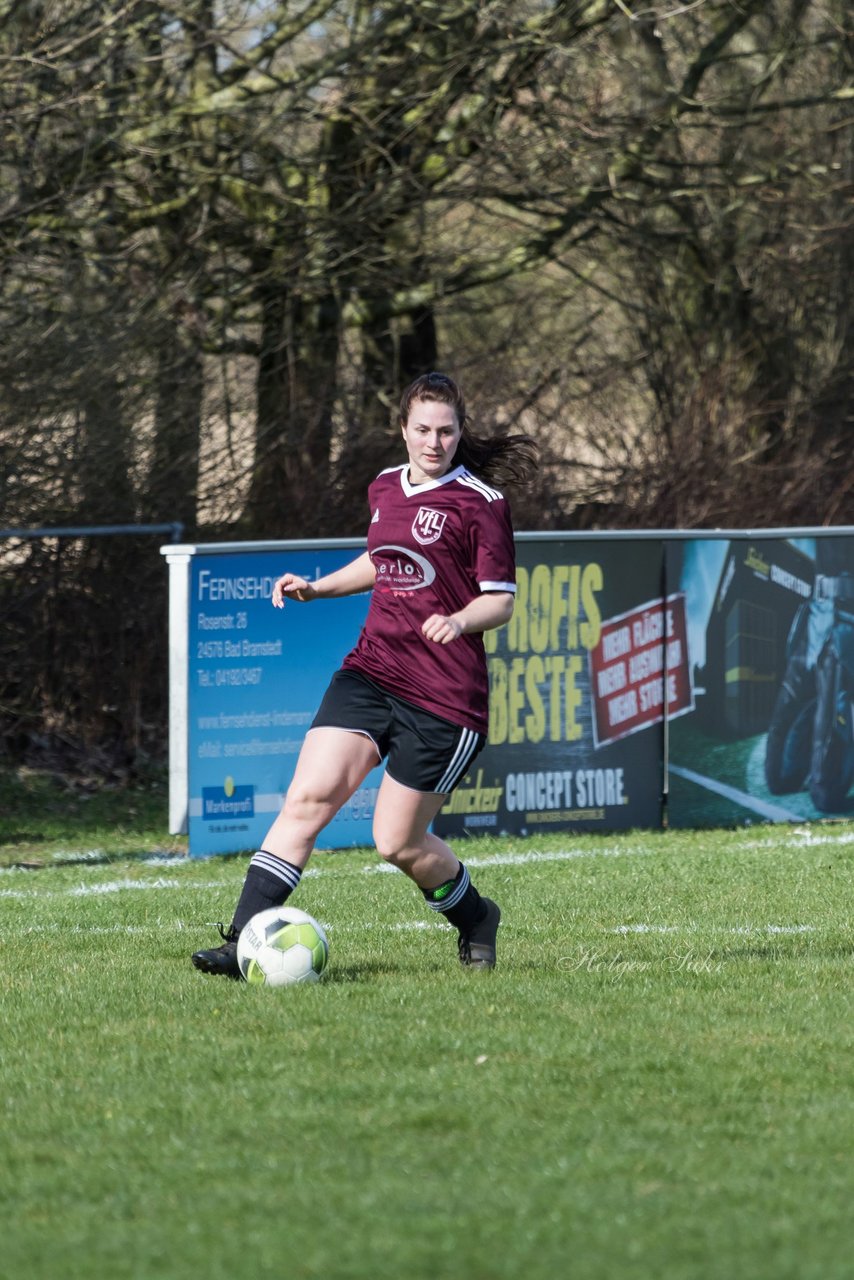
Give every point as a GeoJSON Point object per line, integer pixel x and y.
{"type": "Point", "coordinates": [440, 563]}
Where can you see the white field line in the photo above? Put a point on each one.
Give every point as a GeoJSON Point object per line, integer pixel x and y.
{"type": "Point", "coordinates": [750, 929]}
{"type": "Point", "coordinates": [794, 840]}
{"type": "Point", "coordinates": [156, 928]}
{"type": "Point", "coordinates": [523, 859]}
{"type": "Point", "coordinates": [112, 886]}
{"type": "Point", "coordinates": [119, 886]}
{"type": "Point", "coordinates": [97, 857]}
{"type": "Point", "coordinates": [801, 839]}
{"type": "Point", "coordinates": [783, 836]}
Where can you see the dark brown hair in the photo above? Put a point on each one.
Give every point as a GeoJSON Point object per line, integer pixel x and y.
{"type": "Point", "coordinates": [497, 459]}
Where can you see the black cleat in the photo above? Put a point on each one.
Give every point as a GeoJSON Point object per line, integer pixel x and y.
{"type": "Point", "coordinates": [221, 960]}
{"type": "Point", "coordinates": [477, 949]}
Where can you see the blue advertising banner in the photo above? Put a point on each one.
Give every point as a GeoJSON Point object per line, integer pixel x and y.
{"type": "Point", "coordinates": [256, 676]}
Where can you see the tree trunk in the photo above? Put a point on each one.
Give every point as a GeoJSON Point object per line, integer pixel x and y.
{"type": "Point", "coordinates": [295, 396]}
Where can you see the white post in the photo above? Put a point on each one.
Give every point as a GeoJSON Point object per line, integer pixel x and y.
{"type": "Point", "coordinates": [178, 559]}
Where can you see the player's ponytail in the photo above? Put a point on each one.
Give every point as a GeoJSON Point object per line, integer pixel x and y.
{"type": "Point", "coordinates": [500, 460]}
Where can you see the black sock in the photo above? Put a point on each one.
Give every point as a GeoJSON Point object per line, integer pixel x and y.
{"type": "Point", "coordinates": [458, 900]}
{"type": "Point", "coordinates": [269, 882]}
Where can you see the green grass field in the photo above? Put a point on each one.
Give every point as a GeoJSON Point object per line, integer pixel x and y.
{"type": "Point", "coordinates": [656, 1083]}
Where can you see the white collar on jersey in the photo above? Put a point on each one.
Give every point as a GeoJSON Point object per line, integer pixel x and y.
{"type": "Point", "coordinates": [410, 489]}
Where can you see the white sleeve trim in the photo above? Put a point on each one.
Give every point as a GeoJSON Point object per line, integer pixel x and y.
{"type": "Point", "coordinates": [498, 586]}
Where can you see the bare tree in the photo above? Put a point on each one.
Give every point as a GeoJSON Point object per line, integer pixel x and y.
{"type": "Point", "coordinates": [628, 228]}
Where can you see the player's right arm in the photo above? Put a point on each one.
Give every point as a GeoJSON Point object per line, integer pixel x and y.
{"type": "Point", "coordinates": [359, 575]}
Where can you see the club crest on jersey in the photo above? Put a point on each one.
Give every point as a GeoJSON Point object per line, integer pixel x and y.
{"type": "Point", "coordinates": [428, 525]}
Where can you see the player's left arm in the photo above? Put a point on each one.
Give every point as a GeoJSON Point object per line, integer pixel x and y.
{"type": "Point", "coordinates": [493, 560]}
{"type": "Point", "coordinates": [483, 613]}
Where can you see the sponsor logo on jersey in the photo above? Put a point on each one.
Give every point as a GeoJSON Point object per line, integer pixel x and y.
{"type": "Point", "coordinates": [428, 525]}
{"type": "Point", "coordinates": [399, 569]}
{"type": "Point", "coordinates": [376, 516]}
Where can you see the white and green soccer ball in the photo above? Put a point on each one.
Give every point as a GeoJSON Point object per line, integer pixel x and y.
{"type": "Point", "coordinates": [281, 946]}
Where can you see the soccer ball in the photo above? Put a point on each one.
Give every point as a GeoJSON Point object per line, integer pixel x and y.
{"type": "Point", "coordinates": [281, 946]}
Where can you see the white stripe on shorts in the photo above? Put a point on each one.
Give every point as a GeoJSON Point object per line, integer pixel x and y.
{"type": "Point", "coordinates": [462, 758]}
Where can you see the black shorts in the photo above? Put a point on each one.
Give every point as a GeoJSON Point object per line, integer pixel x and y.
{"type": "Point", "coordinates": [424, 751]}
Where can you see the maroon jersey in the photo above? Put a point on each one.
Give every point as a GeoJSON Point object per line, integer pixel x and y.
{"type": "Point", "coordinates": [435, 547]}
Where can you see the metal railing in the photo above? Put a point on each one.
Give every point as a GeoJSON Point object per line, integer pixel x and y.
{"type": "Point", "coordinates": [175, 529]}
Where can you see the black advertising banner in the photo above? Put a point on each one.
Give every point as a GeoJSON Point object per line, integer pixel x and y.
{"type": "Point", "coordinates": [770, 626]}
{"type": "Point", "coordinates": [578, 681]}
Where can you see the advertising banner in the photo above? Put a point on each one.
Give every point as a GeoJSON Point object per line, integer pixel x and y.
{"type": "Point", "coordinates": [577, 684]}
{"type": "Point", "coordinates": [256, 677]}
{"type": "Point", "coordinates": [771, 635]}
{"type": "Point", "coordinates": [639, 665]}
{"type": "Point", "coordinates": [702, 680]}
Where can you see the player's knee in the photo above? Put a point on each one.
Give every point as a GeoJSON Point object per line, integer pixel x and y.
{"type": "Point", "coordinates": [391, 843]}
{"type": "Point", "coordinates": [307, 807]}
